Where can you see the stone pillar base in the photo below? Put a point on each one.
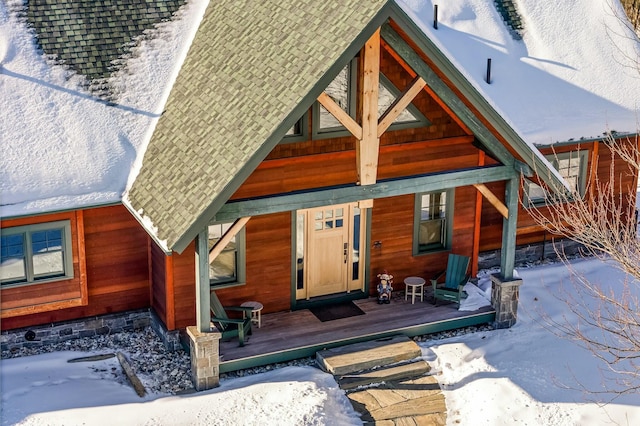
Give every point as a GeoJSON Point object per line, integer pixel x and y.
{"type": "Point", "coordinates": [205, 358]}
{"type": "Point", "coordinates": [504, 298]}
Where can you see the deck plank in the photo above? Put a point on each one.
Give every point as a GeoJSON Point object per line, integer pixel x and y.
{"type": "Point", "coordinates": [284, 331]}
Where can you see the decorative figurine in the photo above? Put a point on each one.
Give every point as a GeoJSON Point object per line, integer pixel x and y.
{"type": "Point", "coordinates": [384, 287]}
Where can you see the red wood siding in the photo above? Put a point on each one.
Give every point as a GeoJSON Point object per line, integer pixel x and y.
{"type": "Point", "coordinates": [117, 274]}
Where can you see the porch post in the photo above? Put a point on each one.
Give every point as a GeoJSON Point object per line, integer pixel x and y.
{"type": "Point", "coordinates": [505, 288]}
{"type": "Point", "coordinates": [203, 317]}
{"type": "Point", "coordinates": [204, 343]}
{"type": "Point", "coordinates": [508, 252]}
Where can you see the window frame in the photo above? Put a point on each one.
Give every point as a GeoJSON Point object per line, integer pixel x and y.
{"type": "Point", "coordinates": [582, 156]}
{"type": "Point", "coordinates": [66, 249]}
{"type": "Point", "coordinates": [448, 228]}
{"type": "Point", "coordinates": [303, 135]}
{"type": "Point", "coordinates": [352, 94]}
{"type": "Point", "coordinates": [241, 264]}
{"type": "Point", "coordinates": [421, 120]}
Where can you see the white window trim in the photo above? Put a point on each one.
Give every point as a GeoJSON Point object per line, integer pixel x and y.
{"type": "Point", "coordinates": [67, 254]}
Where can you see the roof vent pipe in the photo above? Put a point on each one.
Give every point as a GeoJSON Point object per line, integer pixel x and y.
{"type": "Point", "coordinates": [435, 16]}
{"type": "Point", "coordinates": [488, 70]}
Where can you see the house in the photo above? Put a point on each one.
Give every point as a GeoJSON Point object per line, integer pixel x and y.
{"type": "Point", "coordinates": [287, 152]}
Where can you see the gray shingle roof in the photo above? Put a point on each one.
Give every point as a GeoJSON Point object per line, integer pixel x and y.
{"type": "Point", "coordinates": [91, 37]}
{"type": "Point", "coordinates": [251, 69]}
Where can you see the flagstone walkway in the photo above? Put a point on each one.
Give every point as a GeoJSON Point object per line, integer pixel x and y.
{"type": "Point", "coordinates": [387, 382]}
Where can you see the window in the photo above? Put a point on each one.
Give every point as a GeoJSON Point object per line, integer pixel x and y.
{"type": "Point", "coordinates": [572, 166]}
{"type": "Point", "coordinates": [343, 91]}
{"type": "Point", "coordinates": [409, 117]}
{"type": "Point", "coordinates": [298, 132]}
{"type": "Point", "coordinates": [35, 253]}
{"type": "Point", "coordinates": [432, 221]}
{"type": "Point", "coordinates": [229, 266]}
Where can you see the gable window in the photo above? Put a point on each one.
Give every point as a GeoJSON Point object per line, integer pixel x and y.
{"type": "Point", "coordinates": [572, 166]}
{"type": "Point", "coordinates": [35, 253]}
{"type": "Point", "coordinates": [432, 223]}
{"type": "Point", "coordinates": [298, 132]}
{"type": "Point", "coordinates": [229, 266]}
{"type": "Point", "coordinates": [343, 91]}
{"type": "Point", "coordinates": [409, 117]}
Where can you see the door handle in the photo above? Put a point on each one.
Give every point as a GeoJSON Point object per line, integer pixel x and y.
{"type": "Point", "coordinates": [346, 246]}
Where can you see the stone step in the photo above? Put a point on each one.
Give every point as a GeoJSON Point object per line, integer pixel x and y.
{"type": "Point", "coordinates": [409, 370]}
{"type": "Point", "coordinates": [367, 355]}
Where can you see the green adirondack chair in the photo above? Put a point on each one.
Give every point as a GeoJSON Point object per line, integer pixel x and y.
{"type": "Point", "coordinates": [455, 277]}
{"type": "Point", "coordinates": [230, 327]}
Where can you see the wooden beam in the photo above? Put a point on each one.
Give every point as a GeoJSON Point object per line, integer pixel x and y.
{"type": "Point", "coordinates": [367, 147]}
{"type": "Point", "coordinates": [447, 95]}
{"type": "Point", "coordinates": [431, 93]}
{"type": "Point", "coordinates": [340, 115]}
{"type": "Point", "coordinates": [82, 258]}
{"type": "Point", "coordinates": [495, 201]}
{"type": "Point", "coordinates": [352, 193]}
{"type": "Point", "coordinates": [396, 108]}
{"type": "Point", "coordinates": [477, 222]}
{"type": "Point", "coordinates": [227, 237]}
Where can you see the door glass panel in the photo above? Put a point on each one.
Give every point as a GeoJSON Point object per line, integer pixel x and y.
{"type": "Point", "coordinates": [300, 252]}
{"type": "Point", "coordinates": [355, 273]}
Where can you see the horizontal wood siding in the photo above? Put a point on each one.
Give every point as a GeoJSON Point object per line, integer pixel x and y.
{"type": "Point", "coordinates": [442, 125]}
{"type": "Point", "coordinates": [268, 264]}
{"type": "Point", "coordinates": [16, 302]}
{"type": "Point", "coordinates": [184, 286]}
{"type": "Point", "coordinates": [116, 255]}
{"type": "Point", "coordinates": [530, 232]}
{"type": "Point", "coordinates": [392, 226]}
{"type": "Point", "coordinates": [159, 281]}
{"type": "Point", "coordinates": [322, 170]}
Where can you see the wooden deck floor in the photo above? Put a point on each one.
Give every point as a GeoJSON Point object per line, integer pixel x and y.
{"type": "Point", "coordinates": [289, 335]}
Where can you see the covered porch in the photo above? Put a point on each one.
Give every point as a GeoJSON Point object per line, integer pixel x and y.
{"type": "Point", "coordinates": [284, 336]}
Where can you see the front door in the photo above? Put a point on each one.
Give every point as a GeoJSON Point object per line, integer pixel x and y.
{"type": "Point", "coordinates": [331, 237]}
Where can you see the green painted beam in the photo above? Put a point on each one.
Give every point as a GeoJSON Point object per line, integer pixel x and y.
{"type": "Point", "coordinates": [203, 316]}
{"type": "Point", "coordinates": [527, 152]}
{"type": "Point", "coordinates": [308, 351]}
{"type": "Point", "coordinates": [446, 94]}
{"type": "Point", "coordinates": [348, 194]}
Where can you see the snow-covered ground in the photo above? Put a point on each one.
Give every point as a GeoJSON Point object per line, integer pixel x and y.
{"type": "Point", "coordinates": [523, 375]}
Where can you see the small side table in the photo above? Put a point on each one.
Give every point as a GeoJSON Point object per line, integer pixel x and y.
{"type": "Point", "coordinates": [412, 285]}
{"type": "Point", "coordinates": [255, 313]}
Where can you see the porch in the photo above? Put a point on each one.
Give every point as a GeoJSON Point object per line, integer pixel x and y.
{"type": "Point", "coordinates": [297, 334]}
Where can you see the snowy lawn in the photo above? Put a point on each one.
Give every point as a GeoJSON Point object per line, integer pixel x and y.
{"type": "Point", "coordinates": [523, 375]}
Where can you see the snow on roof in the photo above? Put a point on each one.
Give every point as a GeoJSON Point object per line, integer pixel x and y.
{"type": "Point", "coordinates": [62, 147]}
{"type": "Point", "coordinates": [575, 73]}
{"type": "Point", "coordinates": [572, 76]}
